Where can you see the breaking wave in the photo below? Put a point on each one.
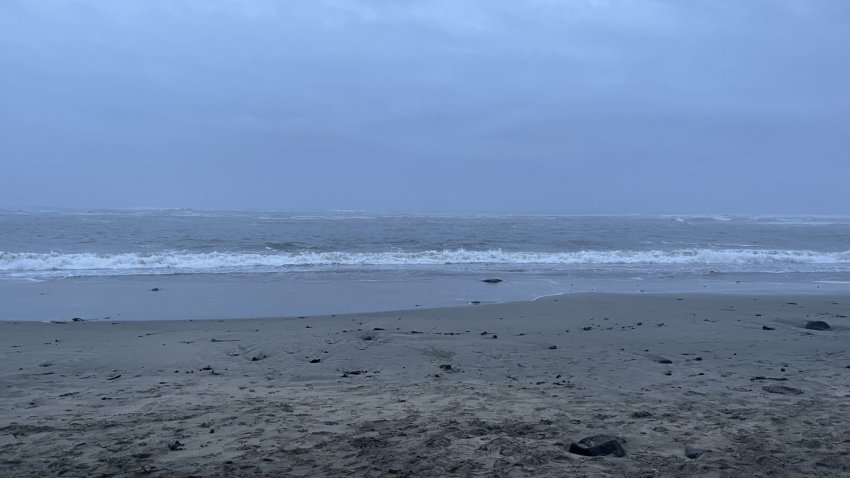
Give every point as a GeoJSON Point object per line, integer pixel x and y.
{"type": "Point", "coordinates": [173, 262]}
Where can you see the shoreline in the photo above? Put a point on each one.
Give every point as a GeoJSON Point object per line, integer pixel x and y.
{"type": "Point", "coordinates": [494, 389]}
{"type": "Point", "coordinates": [226, 297]}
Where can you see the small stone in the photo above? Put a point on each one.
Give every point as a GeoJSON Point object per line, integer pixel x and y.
{"type": "Point", "coordinates": [782, 390]}
{"type": "Point", "coordinates": [553, 347]}
{"type": "Point", "coordinates": [764, 327]}
{"type": "Point", "coordinates": [694, 453]}
{"type": "Point", "coordinates": [597, 445]}
{"type": "Point", "coordinates": [492, 281]}
{"type": "Point", "coordinates": [446, 366]}
{"type": "Point", "coordinates": [316, 360]}
{"type": "Point", "coordinates": [817, 325]}
{"type": "Point", "coordinates": [175, 446]}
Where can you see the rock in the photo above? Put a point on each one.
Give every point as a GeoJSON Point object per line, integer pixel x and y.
{"type": "Point", "coordinates": [175, 446]}
{"type": "Point", "coordinates": [817, 325]}
{"type": "Point", "coordinates": [764, 327]}
{"type": "Point", "coordinates": [315, 360]}
{"type": "Point", "coordinates": [660, 359]}
{"type": "Point", "coordinates": [597, 445]}
{"type": "Point", "coordinates": [694, 453]}
{"type": "Point", "coordinates": [553, 347]}
{"type": "Point", "coordinates": [492, 281]}
{"type": "Point", "coordinates": [446, 366]}
{"type": "Point", "coordinates": [782, 389]}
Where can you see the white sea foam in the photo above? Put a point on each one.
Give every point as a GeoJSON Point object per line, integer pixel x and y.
{"type": "Point", "coordinates": [212, 262]}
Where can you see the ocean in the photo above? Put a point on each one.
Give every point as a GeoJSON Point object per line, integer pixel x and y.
{"type": "Point", "coordinates": [339, 261]}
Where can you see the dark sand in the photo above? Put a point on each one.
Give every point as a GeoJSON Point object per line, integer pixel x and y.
{"type": "Point", "coordinates": [373, 394]}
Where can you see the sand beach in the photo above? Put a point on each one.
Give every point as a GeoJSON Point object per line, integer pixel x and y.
{"type": "Point", "coordinates": [687, 385]}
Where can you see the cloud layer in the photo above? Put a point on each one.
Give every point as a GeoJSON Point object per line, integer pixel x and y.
{"type": "Point", "coordinates": [538, 106]}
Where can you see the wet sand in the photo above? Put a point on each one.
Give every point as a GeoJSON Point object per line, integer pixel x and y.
{"type": "Point", "coordinates": [735, 381]}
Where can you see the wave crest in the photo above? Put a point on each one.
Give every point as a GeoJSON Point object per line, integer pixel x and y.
{"type": "Point", "coordinates": [214, 262]}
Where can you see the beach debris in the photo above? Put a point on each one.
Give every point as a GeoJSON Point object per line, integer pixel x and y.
{"type": "Point", "coordinates": [694, 453]}
{"type": "Point", "coordinates": [764, 327]}
{"type": "Point", "coordinates": [492, 281]}
{"type": "Point", "coordinates": [475, 302]}
{"type": "Point", "coordinates": [258, 357]}
{"type": "Point", "coordinates": [782, 390]}
{"type": "Point", "coordinates": [77, 319]}
{"type": "Point", "coordinates": [553, 347]}
{"type": "Point", "coordinates": [347, 373]}
{"type": "Point", "coordinates": [817, 325]}
{"type": "Point", "coordinates": [377, 329]}
{"type": "Point", "coordinates": [176, 445]}
{"type": "Point", "coordinates": [446, 366]}
{"type": "Point", "coordinates": [225, 340]}
{"type": "Point", "coordinates": [660, 359]}
{"type": "Point", "coordinates": [316, 360]}
{"type": "Point", "coordinates": [206, 368]}
{"type": "Point", "coordinates": [641, 414]}
{"type": "Point", "coordinates": [597, 445]}
{"type": "Point", "coordinates": [760, 377]}
{"type": "Point", "coordinates": [115, 377]}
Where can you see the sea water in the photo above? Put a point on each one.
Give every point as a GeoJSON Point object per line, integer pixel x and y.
{"type": "Point", "coordinates": [336, 261]}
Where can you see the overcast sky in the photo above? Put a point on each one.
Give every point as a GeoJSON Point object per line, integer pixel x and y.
{"type": "Point", "coordinates": [547, 106]}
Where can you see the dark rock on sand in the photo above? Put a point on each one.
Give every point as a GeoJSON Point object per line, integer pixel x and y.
{"type": "Point", "coordinates": [315, 360]}
{"type": "Point", "coordinates": [764, 327]}
{"type": "Point", "coordinates": [782, 389]}
{"type": "Point", "coordinates": [597, 445]}
{"type": "Point", "coordinates": [492, 281]}
{"type": "Point", "coordinates": [694, 453]}
{"type": "Point", "coordinates": [446, 366]}
{"type": "Point", "coordinates": [553, 347]}
{"type": "Point", "coordinates": [175, 446]}
{"type": "Point", "coordinates": [817, 325]}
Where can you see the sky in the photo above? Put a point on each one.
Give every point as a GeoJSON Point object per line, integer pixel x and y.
{"type": "Point", "coordinates": [517, 106]}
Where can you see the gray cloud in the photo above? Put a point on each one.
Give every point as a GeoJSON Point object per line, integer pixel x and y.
{"type": "Point", "coordinates": [538, 106]}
